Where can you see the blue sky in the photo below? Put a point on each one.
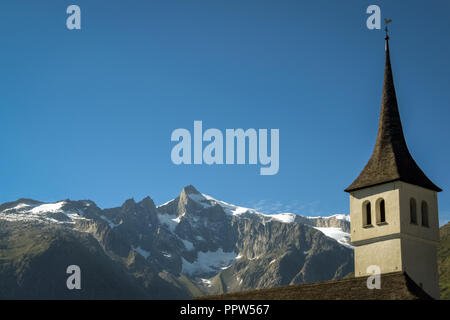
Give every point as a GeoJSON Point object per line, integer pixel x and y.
{"type": "Point", "coordinates": [88, 114]}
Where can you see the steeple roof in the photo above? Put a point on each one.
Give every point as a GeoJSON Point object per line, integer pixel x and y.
{"type": "Point", "coordinates": [391, 160]}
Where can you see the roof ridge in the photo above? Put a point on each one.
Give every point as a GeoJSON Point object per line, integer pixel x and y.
{"type": "Point", "coordinates": [398, 285]}
{"type": "Point", "coordinates": [312, 284]}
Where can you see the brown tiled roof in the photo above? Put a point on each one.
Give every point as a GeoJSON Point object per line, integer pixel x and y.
{"type": "Point", "coordinates": [394, 286]}
{"type": "Point", "coordinates": [391, 159]}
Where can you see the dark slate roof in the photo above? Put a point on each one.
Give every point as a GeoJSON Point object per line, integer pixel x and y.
{"type": "Point", "coordinates": [394, 286]}
{"type": "Point", "coordinates": [391, 159]}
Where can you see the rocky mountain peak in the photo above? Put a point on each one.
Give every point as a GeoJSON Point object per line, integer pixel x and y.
{"type": "Point", "coordinates": [190, 189]}
{"type": "Point", "coordinates": [147, 203]}
{"type": "Point", "coordinates": [129, 204]}
{"type": "Point", "coordinates": [189, 199]}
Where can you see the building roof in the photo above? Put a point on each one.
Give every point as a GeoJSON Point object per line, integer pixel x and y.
{"type": "Point", "coordinates": [394, 286]}
{"type": "Point", "coordinates": [391, 160]}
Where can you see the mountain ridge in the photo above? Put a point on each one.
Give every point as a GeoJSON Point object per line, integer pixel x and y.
{"type": "Point", "coordinates": [189, 246]}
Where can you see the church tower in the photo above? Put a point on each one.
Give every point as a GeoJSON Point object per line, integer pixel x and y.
{"type": "Point", "coordinates": [393, 205]}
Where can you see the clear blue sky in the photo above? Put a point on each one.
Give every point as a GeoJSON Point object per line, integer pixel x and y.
{"type": "Point", "coordinates": [88, 114]}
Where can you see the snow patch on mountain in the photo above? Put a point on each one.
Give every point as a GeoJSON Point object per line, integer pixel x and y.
{"type": "Point", "coordinates": [238, 210]}
{"type": "Point", "coordinates": [165, 203]}
{"type": "Point", "coordinates": [206, 282]}
{"type": "Point", "coordinates": [170, 221]}
{"type": "Point", "coordinates": [178, 219]}
{"type": "Point", "coordinates": [41, 213]}
{"type": "Point", "coordinates": [282, 217]}
{"type": "Point", "coordinates": [188, 245]}
{"type": "Point", "coordinates": [207, 262]}
{"type": "Point", "coordinates": [344, 217]}
{"type": "Point", "coordinates": [48, 208]}
{"type": "Point", "coordinates": [17, 208]}
{"type": "Point", "coordinates": [200, 199]}
{"type": "Point", "coordinates": [337, 234]}
{"type": "Point", "coordinates": [111, 224]}
{"type": "Point", "coordinates": [229, 208]}
{"type": "Point", "coordinates": [142, 252]}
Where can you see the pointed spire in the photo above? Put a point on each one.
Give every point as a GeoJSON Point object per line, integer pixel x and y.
{"type": "Point", "coordinates": [391, 160]}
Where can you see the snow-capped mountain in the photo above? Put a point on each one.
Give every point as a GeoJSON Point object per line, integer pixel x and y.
{"type": "Point", "coordinates": [191, 245]}
{"type": "Point", "coordinates": [59, 212]}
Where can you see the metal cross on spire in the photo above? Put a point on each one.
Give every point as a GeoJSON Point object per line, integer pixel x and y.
{"type": "Point", "coordinates": [386, 22]}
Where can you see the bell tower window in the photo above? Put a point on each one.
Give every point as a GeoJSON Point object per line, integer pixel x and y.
{"type": "Point", "coordinates": [425, 214]}
{"type": "Point", "coordinates": [381, 211]}
{"type": "Point", "coordinates": [367, 214]}
{"type": "Point", "coordinates": [412, 211]}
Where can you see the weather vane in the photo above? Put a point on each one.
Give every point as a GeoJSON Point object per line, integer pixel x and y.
{"type": "Point", "coordinates": [386, 22]}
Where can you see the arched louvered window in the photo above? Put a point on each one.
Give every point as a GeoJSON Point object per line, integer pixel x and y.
{"type": "Point", "coordinates": [425, 214]}
{"type": "Point", "coordinates": [381, 211]}
{"type": "Point", "coordinates": [412, 211]}
{"type": "Point", "coordinates": [367, 214]}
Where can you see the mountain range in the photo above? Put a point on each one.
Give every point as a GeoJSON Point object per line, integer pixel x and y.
{"type": "Point", "coordinates": [192, 245]}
